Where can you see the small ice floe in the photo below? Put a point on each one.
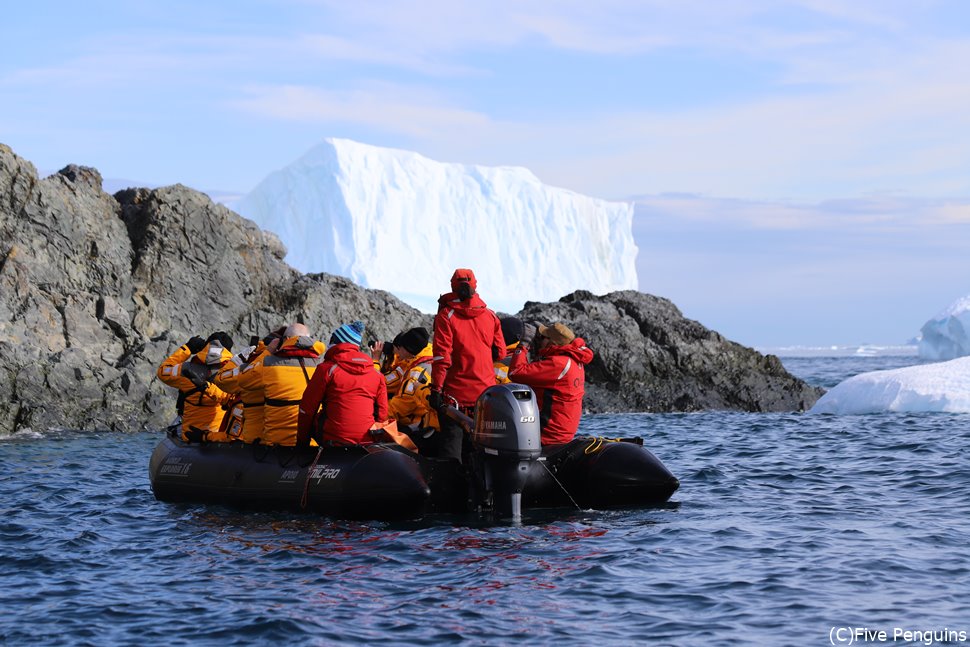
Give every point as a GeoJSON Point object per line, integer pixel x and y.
{"type": "Point", "coordinates": [943, 386]}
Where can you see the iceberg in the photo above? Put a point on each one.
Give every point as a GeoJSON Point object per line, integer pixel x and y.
{"type": "Point", "coordinates": [947, 335]}
{"type": "Point", "coordinates": [397, 221]}
{"type": "Point", "coordinates": [941, 386]}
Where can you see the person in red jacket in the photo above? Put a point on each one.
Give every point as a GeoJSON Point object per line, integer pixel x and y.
{"type": "Point", "coordinates": [558, 378]}
{"type": "Point", "coordinates": [467, 340]}
{"type": "Point", "coordinates": [352, 393]}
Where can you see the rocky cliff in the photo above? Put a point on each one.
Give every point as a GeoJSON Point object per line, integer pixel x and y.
{"type": "Point", "coordinates": [650, 358]}
{"type": "Point", "coordinates": [95, 290]}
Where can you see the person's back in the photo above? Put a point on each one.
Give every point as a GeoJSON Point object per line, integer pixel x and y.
{"type": "Point", "coordinates": [283, 376]}
{"type": "Point", "coordinates": [467, 340]}
{"type": "Point", "coordinates": [352, 392]}
{"type": "Point", "coordinates": [200, 409]}
{"type": "Point", "coordinates": [558, 378]}
{"type": "Point", "coordinates": [251, 394]}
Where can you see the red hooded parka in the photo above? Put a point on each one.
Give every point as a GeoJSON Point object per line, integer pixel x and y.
{"type": "Point", "coordinates": [467, 339]}
{"type": "Point", "coordinates": [558, 378]}
{"type": "Point", "coordinates": [353, 395]}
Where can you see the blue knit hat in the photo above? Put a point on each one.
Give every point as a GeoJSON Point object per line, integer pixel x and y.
{"type": "Point", "coordinates": [352, 333]}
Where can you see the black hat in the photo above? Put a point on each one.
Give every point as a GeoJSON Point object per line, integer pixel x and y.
{"type": "Point", "coordinates": [414, 340]}
{"type": "Point", "coordinates": [512, 330]}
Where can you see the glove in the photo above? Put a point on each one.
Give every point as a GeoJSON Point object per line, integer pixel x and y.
{"type": "Point", "coordinates": [223, 338]}
{"type": "Point", "coordinates": [242, 357]}
{"type": "Point", "coordinates": [195, 435]}
{"type": "Point", "coordinates": [195, 344]}
{"type": "Point", "coordinates": [529, 330]}
{"type": "Point", "coordinates": [436, 400]}
{"type": "Point", "coordinates": [197, 374]}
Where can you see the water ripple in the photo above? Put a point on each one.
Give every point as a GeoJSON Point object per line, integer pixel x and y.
{"type": "Point", "coordinates": [784, 522]}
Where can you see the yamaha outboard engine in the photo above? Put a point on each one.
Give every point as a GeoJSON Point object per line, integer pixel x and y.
{"type": "Point", "coordinates": [505, 443]}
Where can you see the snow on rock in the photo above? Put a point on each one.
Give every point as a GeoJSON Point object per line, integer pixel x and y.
{"type": "Point", "coordinates": [947, 335]}
{"type": "Point", "coordinates": [942, 386]}
{"type": "Point", "coordinates": [397, 221]}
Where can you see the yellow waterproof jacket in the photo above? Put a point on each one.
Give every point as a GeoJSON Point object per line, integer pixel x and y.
{"type": "Point", "coordinates": [252, 398]}
{"type": "Point", "coordinates": [502, 365]}
{"type": "Point", "coordinates": [394, 378]}
{"type": "Point", "coordinates": [200, 409]}
{"type": "Point", "coordinates": [282, 377]}
{"type": "Point", "coordinates": [410, 406]}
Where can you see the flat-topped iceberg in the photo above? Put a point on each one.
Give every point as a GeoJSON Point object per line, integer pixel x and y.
{"type": "Point", "coordinates": [941, 386]}
{"type": "Point", "coordinates": [397, 221]}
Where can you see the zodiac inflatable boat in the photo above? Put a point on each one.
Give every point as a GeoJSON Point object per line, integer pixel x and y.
{"type": "Point", "coordinates": [506, 471]}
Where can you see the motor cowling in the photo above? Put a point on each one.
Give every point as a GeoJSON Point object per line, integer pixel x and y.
{"type": "Point", "coordinates": [506, 442]}
{"type": "Point", "coordinates": [507, 422]}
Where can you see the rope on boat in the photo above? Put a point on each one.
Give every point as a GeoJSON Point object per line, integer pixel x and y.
{"type": "Point", "coordinates": [596, 443]}
{"type": "Point", "coordinates": [306, 484]}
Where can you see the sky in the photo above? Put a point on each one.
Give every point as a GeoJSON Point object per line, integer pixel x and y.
{"type": "Point", "coordinates": [800, 168]}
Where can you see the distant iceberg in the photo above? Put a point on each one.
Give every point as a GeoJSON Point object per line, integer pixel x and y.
{"type": "Point", "coordinates": [397, 221]}
{"type": "Point", "coordinates": [947, 335]}
{"type": "Point", "coordinates": [941, 386]}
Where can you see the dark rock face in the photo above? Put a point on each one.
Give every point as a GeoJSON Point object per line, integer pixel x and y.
{"type": "Point", "coordinates": [648, 357]}
{"type": "Point", "coordinates": [96, 290]}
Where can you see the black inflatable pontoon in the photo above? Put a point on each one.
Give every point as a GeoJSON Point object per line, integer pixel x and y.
{"type": "Point", "coordinates": [506, 471]}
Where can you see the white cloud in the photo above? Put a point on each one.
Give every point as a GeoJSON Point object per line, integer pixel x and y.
{"type": "Point", "coordinates": [382, 106]}
{"type": "Point", "coordinates": [617, 26]}
{"type": "Point", "coordinates": [862, 96]}
{"type": "Point", "coordinates": [336, 48]}
{"type": "Point", "coordinates": [838, 271]}
{"type": "Point", "coordinates": [874, 216]}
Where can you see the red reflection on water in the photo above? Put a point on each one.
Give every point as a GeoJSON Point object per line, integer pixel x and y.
{"type": "Point", "coordinates": [583, 533]}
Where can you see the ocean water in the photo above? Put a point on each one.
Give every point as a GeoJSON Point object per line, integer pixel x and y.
{"type": "Point", "coordinates": [788, 529]}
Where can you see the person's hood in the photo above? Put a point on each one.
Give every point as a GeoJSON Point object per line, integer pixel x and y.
{"type": "Point", "coordinates": [299, 347]}
{"type": "Point", "coordinates": [576, 349]}
{"type": "Point", "coordinates": [213, 355]}
{"type": "Point", "coordinates": [350, 358]}
{"type": "Point", "coordinates": [463, 275]}
{"type": "Point", "coordinates": [473, 307]}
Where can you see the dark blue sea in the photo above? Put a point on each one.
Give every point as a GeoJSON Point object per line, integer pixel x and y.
{"type": "Point", "coordinates": [788, 529]}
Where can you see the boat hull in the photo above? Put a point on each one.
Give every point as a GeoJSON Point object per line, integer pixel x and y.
{"type": "Point", "coordinates": [386, 482]}
{"type": "Point", "coordinates": [591, 472]}
{"type": "Point", "coordinates": [347, 482]}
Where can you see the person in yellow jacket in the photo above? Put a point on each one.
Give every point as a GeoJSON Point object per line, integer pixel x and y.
{"type": "Point", "coordinates": [200, 407]}
{"type": "Point", "coordinates": [390, 364]}
{"type": "Point", "coordinates": [515, 332]}
{"type": "Point", "coordinates": [410, 406]}
{"type": "Point", "coordinates": [251, 400]}
{"type": "Point", "coordinates": [282, 376]}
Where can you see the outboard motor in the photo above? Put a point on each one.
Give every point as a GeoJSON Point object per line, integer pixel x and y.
{"type": "Point", "coordinates": [505, 444]}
